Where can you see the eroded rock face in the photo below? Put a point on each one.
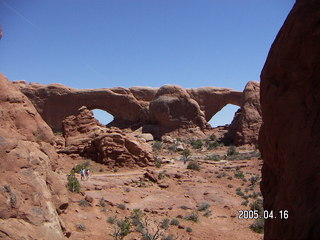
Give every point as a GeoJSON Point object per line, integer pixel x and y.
{"type": "Point", "coordinates": [30, 192]}
{"type": "Point", "coordinates": [172, 108]}
{"type": "Point", "coordinates": [168, 107]}
{"type": "Point", "coordinates": [290, 134]}
{"type": "Point", "coordinates": [245, 126]}
{"type": "Point", "coordinates": [111, 146]}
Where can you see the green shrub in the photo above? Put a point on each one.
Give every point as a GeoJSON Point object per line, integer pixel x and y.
{"type": "Point", "coordinates": [111, 220]}
{"type": "Point", "coordinates": [258, 225]}
{"type": "Point", "coordinates": [189, 229]}
{"type": "Point", "coordinates": [213, 157]}
{"type": "Point", "coordinates": [81, 226]}
{"type": "Point", "coordinates": [157, 162]}
{"type": "Point", "coordinates": [245, 203]}
{"type": "Point", "coordinates": [184, 207]}
{"type": "Point", "coordinates": [230, 186]}
{"type": "Point", "coordinates": [84, 203]}
{"type": "Point", "coordinates": [101, 202]}
{"type": "Point", "coordinates": [83, 165]}
{"type": "Point", "coordinates": [165, 223]}
{"type": "Point", "coordinates": [136, 217]}
{"type": "Point", "coordinates": [257, 205]}
{"type": "Point", "coordinates": [192, 217]}
{"type": "Point", "coordinates": [213, 137]}
{"type": "Point", "coordinates": [169, 237]}
{"type": "Point", "coordinates": [230, 178]}
{"type": "Point", "coordinates": [115, 169]}
{"type": "Point", "coordinates": [232, 150]}
{"type": "Point", "coordinates": [174, 222]}
{"type": "Point", "coordinates": [123, 228]}
{"type": "Point", "coordinates": [193, 165]}
{"type": "Point", "coordinates": [73, 183]}
{"type": "Point", "coordinates": [162, 175]}
{"type": "Point", "coordinates": [186, 153]}
{"type": "Point", "coordinates": [254, 180]}
{"type": "Point", "coordinates": [207, 213]}
{"type": "Point", "coordinates": [239, 174]}
{"type": "Point", "coordinates": [196, 144]}
{"type": "Point", "coordinates": [204, 206]}
{"type": "Point", "coordinates": [121, 206]}
{"type": "Point", "coordinates": [157, 145]}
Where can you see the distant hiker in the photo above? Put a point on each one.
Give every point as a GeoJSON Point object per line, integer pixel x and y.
{"type": "Point", "coordinates": [88, 173]}
{"type": "Point", "coordinates": [83, 173]}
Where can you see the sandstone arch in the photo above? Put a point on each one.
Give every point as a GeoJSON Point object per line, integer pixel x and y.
{"type": "Point", "coordinates": [132, 106]}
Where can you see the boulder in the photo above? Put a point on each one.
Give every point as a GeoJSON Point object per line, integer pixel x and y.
{"type": "Point", "coordinates": [111, 146]}
{"type": "Point", "coordinates": [290, 134]}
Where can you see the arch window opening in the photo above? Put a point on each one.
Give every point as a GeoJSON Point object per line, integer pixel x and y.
{"type": "Point", "coordinates": [102, 116]}
{"type": "Point", "coordinates": [224, 116]}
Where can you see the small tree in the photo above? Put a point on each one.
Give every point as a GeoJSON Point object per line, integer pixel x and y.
{"type": "Point", "coordinates": [186, 153]}
{"type": "Point", "coordinates": [73, 183]}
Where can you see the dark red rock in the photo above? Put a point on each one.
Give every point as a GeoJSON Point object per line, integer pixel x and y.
{"type": "Point", "coordinates": [290, 134]}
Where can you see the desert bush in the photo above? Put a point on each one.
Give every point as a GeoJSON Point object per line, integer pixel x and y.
{"type": "Point", "coordinates": [165, 223]}
{"type": "Point", "coordinates": [245, 203]}
{"type": "Point", "coordinates": [174, 222]}
{"type": "Point", "coordinates": [157, 161]}
{"type": "Point", "coordinates": [162, 175]}
{"type": "Point", "coordinates": [83, 165]}
{"type": "Point", "coordinates": [254, 180]}
{"type": "Point", "coordinates": [232, 150]}
{"type": "Point", "coordinates": [136, 218]}
{"type": "Point", "coordinates": [81, 226]}
{"type": "Point", "coordinates": [230, 186]}
{"type": "Point", "coordinates": [196, 144]}
{"type": "Point", "coordinates": [238, 174]}
{"type": "Point", "coordinates": [184, 207]}
{"type": "Point", "coordinates": [121, 206]}
{"type": "Point", "coordinates": [157, 145]}
{"type": "Point", "coordinates": [121, 229]}
{"type": "Point", "coordinates": [203, 206]}
{"type": "Point", "coordinates": [189, 229]}
{"type": "Point", "coordinates": [112, 220]}
{"type": "Point", "coordinates": [192, 217]}
{"type": "Point", "coordinates": [169, 237]}
{"type": "Point", "coordinates": [257, 205]}
{"type": "Point", "coordinates": [73, 184]}
{"type": "Point", "coordinates": [240, 193]}
{"type": "Point", "coordinates": [186, 153]}
{"type": "Point", "coordinates": [115, 169]}
{"type": "Point", "coordinates": [213, 137]}
{"type": "Point", "coordinates": [230, 178]}
{"type": "Point", "coordinates": [84, 203]}
{"type": "Point", "coordinates": [193, 165]}
{"type": "Point", "coordinates": [213, 157]}
{"type": "Point", "coordinates": [258, 225]}
{"type": "Point", "coordinates": [207, 213]}
{"type": "Point", "coordinates": [101, 202]}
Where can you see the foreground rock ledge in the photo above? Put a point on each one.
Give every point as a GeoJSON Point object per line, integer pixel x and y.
{"type": "Point", "coordinates": [290, 134]}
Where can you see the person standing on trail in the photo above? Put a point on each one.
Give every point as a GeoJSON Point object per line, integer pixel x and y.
{"type": "Point", "coordinates": [83, 173]}
{"type": "Point", "coordinates": [88, 173]}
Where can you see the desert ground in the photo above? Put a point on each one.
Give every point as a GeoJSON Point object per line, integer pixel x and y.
{"type": "Point", "coordinates": [181, 203]}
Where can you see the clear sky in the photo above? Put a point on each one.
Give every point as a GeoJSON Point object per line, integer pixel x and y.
{"type": "Point", "coordinates": [108, 43]}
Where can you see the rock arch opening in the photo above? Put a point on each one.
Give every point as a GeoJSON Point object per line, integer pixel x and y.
{"type": "Point", "coordinates": [224, 116]}
{"type": "Point", "coordinates": [103, 116]}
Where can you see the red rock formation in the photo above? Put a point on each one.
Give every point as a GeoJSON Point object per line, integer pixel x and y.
{"type": "Point", "coordinates": [172, 108]}
{"type": "Point", "coordinates": [30, 191]}
{"type": "Point", "coordinates": [290, 134]}
{"type": "Point", "coordinates": [130, 107]}
{"type": "Point", "coordinates": [245, 126]}
{"type": "Point", "coordinates": [111, 146]}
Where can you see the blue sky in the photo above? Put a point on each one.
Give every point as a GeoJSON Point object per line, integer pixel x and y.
{"type": "Point", "coordinates": [108, 43]}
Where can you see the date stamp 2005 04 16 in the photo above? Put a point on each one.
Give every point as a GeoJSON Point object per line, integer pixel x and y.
{"type": "Point", "coordinates": [255, 214]}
